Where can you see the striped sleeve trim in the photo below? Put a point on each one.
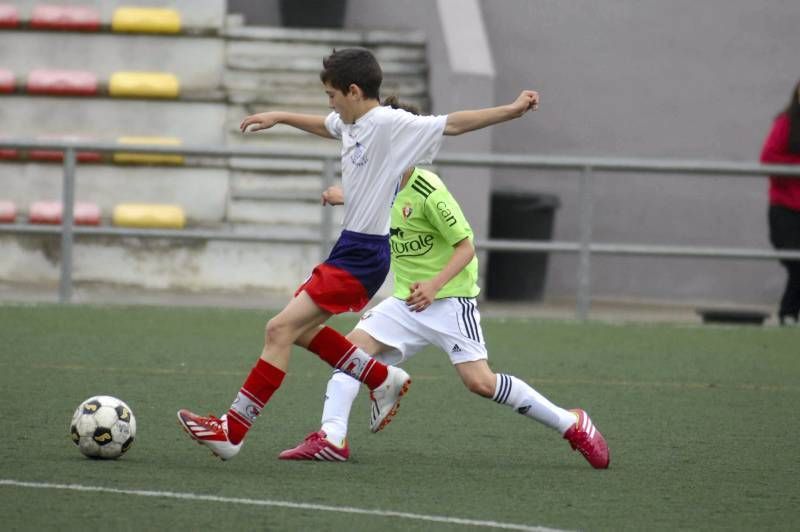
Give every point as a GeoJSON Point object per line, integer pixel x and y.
{"type": "Point", "coordinates": [422, 186]}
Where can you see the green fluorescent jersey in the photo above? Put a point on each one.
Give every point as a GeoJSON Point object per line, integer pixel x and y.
{"type": "Point", "coordinates": [426, 223]}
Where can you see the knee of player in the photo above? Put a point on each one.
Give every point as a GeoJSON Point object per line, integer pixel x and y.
{"type": "Point", "coordinates": [278, 330]}
{"type": "Point", "coordinates": [480, 385]}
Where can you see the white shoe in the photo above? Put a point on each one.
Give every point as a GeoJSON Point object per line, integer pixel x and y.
{"type": "Point", "coordinates": [386, 398]}
{"type": "Point", "coordinates": [209, 431]}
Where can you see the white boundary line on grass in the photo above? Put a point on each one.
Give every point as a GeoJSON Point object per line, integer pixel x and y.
{"type": "Point", "coordinates": [280, 504]}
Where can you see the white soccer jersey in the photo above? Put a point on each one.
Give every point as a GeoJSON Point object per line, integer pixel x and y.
{"type": "Point", "coordinates": [376, 150]}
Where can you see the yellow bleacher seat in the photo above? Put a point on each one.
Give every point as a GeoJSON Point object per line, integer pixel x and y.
{"type": "Point", "coordinates": [144, 85]}
{"type": "Point", "coordinates": [148, 158]}
{"type": "Point", "coordinates": [146, 20]}
{"type": "Point", "coordinates": [149, 215]}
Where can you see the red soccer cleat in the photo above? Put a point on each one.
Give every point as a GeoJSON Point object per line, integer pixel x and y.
{"type": "Point", "coordinates": [317, 447]}
{"type": "Point", "coordinates": [585, 437]}
{"type": "Point", "coordinates": [209, 431]}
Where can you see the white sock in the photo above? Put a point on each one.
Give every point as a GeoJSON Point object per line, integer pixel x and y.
{"type": "Point", "coordinates": [515, 393]}
{"type": "Point", "coordinates": [339, 396]}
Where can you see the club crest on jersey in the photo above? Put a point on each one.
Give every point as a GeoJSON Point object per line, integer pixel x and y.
{"type": "Point", "coordinates": [359, 156]}
{"type": "Point", "coordinates": [407, 210]}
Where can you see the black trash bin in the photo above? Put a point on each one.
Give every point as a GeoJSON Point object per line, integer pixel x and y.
{"type": "Point", "coordinates": [313, 13]}
{"type": "Point", "coordinates": [519, 276]}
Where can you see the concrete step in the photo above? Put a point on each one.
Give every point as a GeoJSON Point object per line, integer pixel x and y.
{"type": "Point", "coordinates": [197, 62]}
{"type": "Point", "coordinates": [314, 64]}
{"type": "Point", "coordinates": [148, 263]}
{"type": "Point", "coordinates": [108, 119]}
{"type": "Point", "coordinates": [201, 191]}
{"type": "Point", "coordinates": [305, 87]}
{"type": "Point", "coordinates": [277, 198]}
{"type": "Point", "coordinates": [278, 165]}
{"type": "Point", "coordinates": [206, 16]}
{"type": "Point", "coordinates": [401, 53]}
{"type": "Point", "coordinates": [339, 38]}
{"type": "Point", "coordinates": [257, 185]}
{"type": "Point", "coordinates": [279, 211]}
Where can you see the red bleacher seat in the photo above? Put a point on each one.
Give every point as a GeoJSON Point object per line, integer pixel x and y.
{"type": "Point", "coordinates": [6, 80]}
{"type": "Point", "coordinates": [8, 153]}
{"type": "Point", "coordinates": [8, 211]}
{"type": "Point", "coordinates": [9, 16]}
{"type": "Point", "coordinates": [62, 82]}
{"type": "Point", "coordinates": [51, 17]}
{"type": "Point", "coordinates": [57, 156]}
{"type": "Point", "coordinates": [49, 212]}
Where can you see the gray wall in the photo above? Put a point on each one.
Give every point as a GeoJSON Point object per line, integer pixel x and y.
{"type": "Point", "coordinates": [649, 78]}
{"type": "Point", "coordinates": [631, 78]}
{"type": "Point", "coordinates": [256, 12]}
{"type": "Point", "coordinates": [636, 78]}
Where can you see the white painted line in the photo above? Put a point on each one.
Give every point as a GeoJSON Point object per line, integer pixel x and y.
{"type": "Point", "coordinates": [280, 504]}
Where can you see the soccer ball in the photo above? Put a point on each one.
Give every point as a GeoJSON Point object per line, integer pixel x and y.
{"type": "Point", "coordinates": [103, 427]}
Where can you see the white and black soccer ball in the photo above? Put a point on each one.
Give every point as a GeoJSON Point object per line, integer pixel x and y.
{"type": "Point", "coordinates": [103, 427]}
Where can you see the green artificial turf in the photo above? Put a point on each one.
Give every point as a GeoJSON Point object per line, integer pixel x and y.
{"type": "Point", "coordinates": [701, 422]}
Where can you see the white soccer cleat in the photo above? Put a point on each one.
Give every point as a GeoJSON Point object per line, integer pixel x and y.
{"type": "Point", "coordinates": [386, 398]}
{"type": "Point", "coordinates": [209, 431]}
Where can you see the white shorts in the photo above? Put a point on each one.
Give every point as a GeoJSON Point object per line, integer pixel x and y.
{"type": "Point", "coordinates": [452, 324]}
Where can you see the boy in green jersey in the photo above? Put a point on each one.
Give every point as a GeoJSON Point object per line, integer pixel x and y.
{"type": "Point", "coordinates": [435, 280]}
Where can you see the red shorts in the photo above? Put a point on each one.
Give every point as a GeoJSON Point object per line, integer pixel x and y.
{"type": "Point", "coordinates": [335, 290]}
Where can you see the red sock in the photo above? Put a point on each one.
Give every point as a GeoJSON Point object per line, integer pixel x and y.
{"type": "Point", "coordinates": [262, 382]}
{"type": "Point", "coordinates": [340, 353]}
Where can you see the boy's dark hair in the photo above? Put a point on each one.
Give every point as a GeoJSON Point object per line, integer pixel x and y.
{"type": "Point", "coordinates": [353, 66]}
{"type": "Point", "coordinates": [394, 102]}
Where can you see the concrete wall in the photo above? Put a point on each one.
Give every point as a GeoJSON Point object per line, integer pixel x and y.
{"type": "Point", "coordinates": [635, 78]}
{"type": "Point", "coordinates": [676, 79]}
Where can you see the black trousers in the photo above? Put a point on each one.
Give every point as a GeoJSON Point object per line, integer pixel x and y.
{"type": "Point", "coordinates": [784, 233]}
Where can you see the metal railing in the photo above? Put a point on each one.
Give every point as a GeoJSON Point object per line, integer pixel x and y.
{"type": "Point", "coordinates": [584, 247]}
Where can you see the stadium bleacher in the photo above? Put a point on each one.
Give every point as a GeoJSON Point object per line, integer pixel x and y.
{"type": "Point", "coordinates": [51, 212]}
{"type": "Point", "coordinates": [146, 20]}
{"type": "Point", "coordinates": [58, 156]}
{"type": "Point", "coordinates": [149, 215]}
{"type": "Point", "coordinates": [61, 82]}
{"type": "Point", "coordinates": [8, 211]}
{"type": "Point", "coordinates": [117, 72]}
{"type": "Point", "coordinates": [67, 18]}
{"type": "Point", "coordinates": [9, 16]}
{"type": "Point", "coordinates": [7, 81]}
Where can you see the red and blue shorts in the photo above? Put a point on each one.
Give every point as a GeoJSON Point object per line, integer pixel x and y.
{"type": "Point", "coordinates": [353, 272]}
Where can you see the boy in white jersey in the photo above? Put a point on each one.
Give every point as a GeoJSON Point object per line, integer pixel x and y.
{"type": "Point", "coordinates": [378, 144]}
{"type": "Point", "coordinates": [435, 274]}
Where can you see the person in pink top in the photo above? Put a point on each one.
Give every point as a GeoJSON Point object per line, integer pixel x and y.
{"type": "Point", "coordinates": [782, 146]}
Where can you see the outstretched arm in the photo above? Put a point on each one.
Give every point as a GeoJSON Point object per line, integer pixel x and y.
{"type": "Point", "coordinates": [311, 123]}
{"type": "Point", "coordinates": [465, 121]}
{"type": "Point", "coordinates": [423, 293]}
